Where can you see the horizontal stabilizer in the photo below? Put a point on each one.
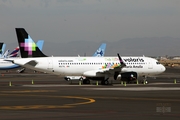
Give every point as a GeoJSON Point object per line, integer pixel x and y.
{"type": "Point", "coordinates": [32, 63]}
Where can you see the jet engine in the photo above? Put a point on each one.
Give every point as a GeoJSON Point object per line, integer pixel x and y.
{"type": "Point", "coordinates": [128, 76]}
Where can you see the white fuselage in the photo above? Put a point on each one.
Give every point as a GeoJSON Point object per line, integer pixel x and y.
{"type": "Point", "coordinates": [91, 66]}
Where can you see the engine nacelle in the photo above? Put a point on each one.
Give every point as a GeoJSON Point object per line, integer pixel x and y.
{"type": "Point", "coordinates": [128, 76]}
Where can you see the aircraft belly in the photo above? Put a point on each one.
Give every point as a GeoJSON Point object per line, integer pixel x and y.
{"type": "Point", "coordinates": [73, 70]}
{"type": "Point", "coordinates": [67, 71]}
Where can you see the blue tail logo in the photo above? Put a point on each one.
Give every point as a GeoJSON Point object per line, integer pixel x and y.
{"type": "Point", "coordinates": [100, 51]}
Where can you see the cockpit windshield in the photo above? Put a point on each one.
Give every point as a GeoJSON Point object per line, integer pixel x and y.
{"type": "Point", "coordinates": [158, 63]}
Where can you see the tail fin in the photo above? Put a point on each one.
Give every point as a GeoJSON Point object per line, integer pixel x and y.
{"type": "Point", "coordinates": [100, 51]}
{"type": "Point", "coordinates": [14, 53]}
{"type": "Point", "coordinates": [27, 46]}
{"type": "Point", "coordinates": [1, 49]}
{"type": "Point", "coordinates": [5, 55]}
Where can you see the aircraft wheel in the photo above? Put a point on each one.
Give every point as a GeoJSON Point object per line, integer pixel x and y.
{"type": "Point", "coordinates": [106, 82]}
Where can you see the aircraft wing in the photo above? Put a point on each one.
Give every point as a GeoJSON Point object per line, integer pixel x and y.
{"type": "Point", "coordinates": [112, 69]}
{"type": "Point", "coordinates": [115, 69]}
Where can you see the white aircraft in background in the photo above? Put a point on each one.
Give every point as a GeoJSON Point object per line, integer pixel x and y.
{"type": "Point", "coordinates": [94, 68]}
{"type": "Point", "coordinates": [6, 54]}
{"type": "Point", "coordinates": [14, 53]}
{"type": "Point", "coordinates": [99, 53]}
{"type": "Point", "coordinates": [7, 65]}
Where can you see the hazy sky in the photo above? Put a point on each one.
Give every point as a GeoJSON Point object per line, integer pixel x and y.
{"type": "Point", "coordinates": [89, 20]}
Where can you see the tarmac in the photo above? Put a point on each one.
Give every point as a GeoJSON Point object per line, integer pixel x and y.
{"type": "Point", "coordinates": [29, 95]}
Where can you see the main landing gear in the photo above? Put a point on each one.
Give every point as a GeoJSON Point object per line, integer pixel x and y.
{"type": "Point", "coordinates": [105, 82]}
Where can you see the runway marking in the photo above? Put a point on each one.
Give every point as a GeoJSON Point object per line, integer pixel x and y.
{"type": "Point", "coordinates": [132, 98]}
{"type": "Point", "coordinates": [21, 107]}
{"type": "Point", "coordinates": [89, 100]}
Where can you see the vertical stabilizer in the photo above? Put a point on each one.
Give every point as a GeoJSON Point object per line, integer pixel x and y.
{"type": "Point", "coordinates": [100, 51]}
{"type": "Point", "coordinates": [14, 53]}
{"type": "Point", "coordinates": [5, 55]}
{"type": "Point", "coordinates": [27, 46]}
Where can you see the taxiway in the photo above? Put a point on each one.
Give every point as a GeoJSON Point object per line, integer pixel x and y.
{"type": "Point", "coordinates": [52, 98]}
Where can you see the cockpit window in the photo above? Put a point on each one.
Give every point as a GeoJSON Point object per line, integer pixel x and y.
{"type": "Point", "coordinates": [158, 63]}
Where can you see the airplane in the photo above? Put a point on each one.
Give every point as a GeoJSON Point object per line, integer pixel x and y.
{"type": "Point", "coordinates": [93, 68]}
{"type": "Point", "coordinates": [99, 53]}
{"type": "Point", "coordinates": [6, 65]}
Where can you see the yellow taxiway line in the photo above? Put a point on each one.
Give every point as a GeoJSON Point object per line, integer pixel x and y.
{"type": "Point", "coordinates": [21, 107]}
